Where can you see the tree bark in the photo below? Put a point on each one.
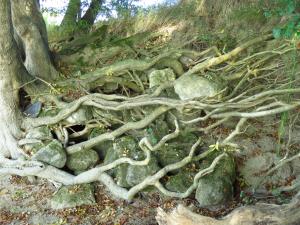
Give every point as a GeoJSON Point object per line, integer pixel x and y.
{"type": "Point", "coordinates": [30, 27]}
{"type": "Point", "coordinates": [268, 214]}
{"type": "Point", "coordinates": [10, 67]}
{"type": "Point", "coordinates": [70, 18]}
{"type": "Point", "coordinates": [91, 14]}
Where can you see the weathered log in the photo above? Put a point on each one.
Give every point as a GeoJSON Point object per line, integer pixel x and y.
{"type": "Point", "coordinates": [258, 214]}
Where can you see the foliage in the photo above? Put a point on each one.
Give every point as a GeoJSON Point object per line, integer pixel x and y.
{"type": "Point", "coordinates": [124, 7]}
{"type": "Point", "coordinates": [246, 198]}
{"type": "Point", "coordinates": [248, 13]}
{"type": "Point", "coordinates": [288, 11]}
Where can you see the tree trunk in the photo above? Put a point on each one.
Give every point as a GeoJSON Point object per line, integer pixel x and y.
{"type": "Point", "coordinates": [10, 67]}
{"type": "Point", "coordinates": [70, 18]}
{"type": "Point", "coordinates": [267, 214]}
{"type": "Point", "coordinates": [91, 14]}
{"type": "Point", "coordinates": [30, 27]}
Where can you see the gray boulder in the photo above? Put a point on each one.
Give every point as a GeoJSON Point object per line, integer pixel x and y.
{"type": "Point", "coordinates": [82, 160]}
{"type": "Point", "coordinates": [216, 188]}
{"type": "Point", "coordinates": [255, 167]}
{"type": "Point", "coordinates": [136, 174]}
{"type": "Point", "coordinates": [72, 196]}
{"type": "Point", "coordinates": [52, 154]}
{"type": "Point", "coordinates": [158, 77]}
{"type": "Point", "coordinates": [194, 86]}
{"type": "Point", "coordinates": [212, 191]}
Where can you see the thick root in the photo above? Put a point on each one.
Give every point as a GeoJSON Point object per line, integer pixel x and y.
{"type": "Point", "coordinates": [288, 214]}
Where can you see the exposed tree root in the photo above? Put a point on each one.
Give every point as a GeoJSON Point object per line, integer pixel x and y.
{"type": "Point", "coordinates": [248, 215]}
{"type": "Point", "coordinates": [256, 91]}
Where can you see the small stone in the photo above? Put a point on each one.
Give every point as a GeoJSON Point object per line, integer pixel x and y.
{"type": "Point", "coordinates": [52, 154]}
{"type": "Point", "coordinates": [194, 86]}
{"type": "Point", "coordinates": [33, 110]}
{"type": "Point", "coordinates": [82, 160]}
{"type": "Point", "coordinates": [72, 196]}
{"type": "Point", "coordinates": [158, 77]}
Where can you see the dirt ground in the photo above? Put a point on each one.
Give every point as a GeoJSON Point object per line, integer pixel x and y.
{"type": "Point", "coordinates": [24, 203]}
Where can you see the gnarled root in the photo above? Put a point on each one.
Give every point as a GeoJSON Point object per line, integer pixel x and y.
{"type": "Point", "coordinates": [288, 214]}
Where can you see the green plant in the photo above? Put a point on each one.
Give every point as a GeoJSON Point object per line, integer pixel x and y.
{"type": "Point", "coordinates": [291, 64]}
{"type": "Point", "coordinates": [248, 13]}
{"type": "Point", "coordinates": [288, 11]}
{"type": "Point", "coordinates": [19, 194]}
{"type": "Point", "coordinates": [246, 198]}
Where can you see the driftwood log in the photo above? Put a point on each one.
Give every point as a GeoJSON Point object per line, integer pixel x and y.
{"type": "Point", "coordinates": [258, 214]}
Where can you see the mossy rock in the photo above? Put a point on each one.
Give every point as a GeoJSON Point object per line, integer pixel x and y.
{"type": "Point", "coordinates": [136, 174]}
{"type": "Point", "coordinates": [186, 140]}
{"type": "Point", "coordinates": [212, 191]}
{"type": "Point", "coordinates": [156, 131]}
{"type": "Point", "coordinates": [159, 77]}
{"type": "Point", "coordinates": [72, 196]}
{"type": "Point", "coordinates": [82, 160]}
{"type": "Point", "coordinates": [170, 153]}
{"type": "Point", "coordinates": [52, 154]}
{"type": "Point", "coordinates": [216, 188]}
{"type": "Point", "coordinates": [40, 133]}
{"type": "Point", "coordinates": [225, 168]}
{"type": "Point", "coordinates": [194, 86]}
{"type": "Point", "coordinates": [123, 147]}
{"type": "Point", "coordinates": [180, 182]}
{"type": "Point", "coordinates": [125, 174]}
